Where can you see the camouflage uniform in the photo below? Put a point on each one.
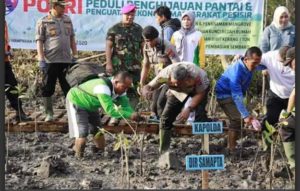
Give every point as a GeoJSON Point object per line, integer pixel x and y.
{"type": "Point", "coordinates": [127, 54]}
{"type": "Point", "coordinates": [127, 43]}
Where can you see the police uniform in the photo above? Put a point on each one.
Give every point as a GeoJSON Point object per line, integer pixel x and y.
{"type": "Point", "coordinates": [152, 57]}
{"type": "Point", "coordinates": [55, 33]}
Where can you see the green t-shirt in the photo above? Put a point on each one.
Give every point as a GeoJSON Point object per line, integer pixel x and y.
{"type": "Point", "coordinates": [103, 97]}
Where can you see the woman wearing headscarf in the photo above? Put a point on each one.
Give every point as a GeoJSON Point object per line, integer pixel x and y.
{"type": "Point", "coordinates": [189, 42]}
{"type": "Point", "coordinates": [280, 32]}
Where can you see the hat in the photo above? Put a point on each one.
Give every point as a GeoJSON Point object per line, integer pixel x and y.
{"type": "Point", "coordinates": [150, 32]}
{"type": "Point", "coordinates": [287, 54]}
{"type": "Point", "coordinates": [290, 55]}
{"type": "Point", "coordinates": [60, 2]}
{"type": "Point", "coordinates": [128, 8]}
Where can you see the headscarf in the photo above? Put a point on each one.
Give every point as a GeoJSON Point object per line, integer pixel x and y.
{"type": "Point", "coordinates": [276, 17]}
{"type": "Point", "coordinates": [184, 32]}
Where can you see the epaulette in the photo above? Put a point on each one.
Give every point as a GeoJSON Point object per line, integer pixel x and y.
{"type": "Point", "coordinates": [49, 17]}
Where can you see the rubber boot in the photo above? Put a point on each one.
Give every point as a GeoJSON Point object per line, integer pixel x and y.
{"type": "Point", "coordinates": [232, 138]}
{"type": "Point", "coordinates": [164, 140]}
{"type": "Point", "coordinates": [99, 141]}
{"type": "Point", "coordinates": [48, 108]}
{"type": "Point", "coordinates": [289, 149]}
{"type": "Point", "coordinates": [79, 147]}
{"type": "Point", "coordinates": [21, 116]}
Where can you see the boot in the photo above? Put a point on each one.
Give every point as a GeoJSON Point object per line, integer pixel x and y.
{"type": "Point", "coordinates": [21, 116]}
{"type": "Point", "coordinates": [48, 108]}
{"type": "Point", "coordinates": [232, 138]}
{"type": "Point", "coordinates": [289, 149]}
{"type": "Point", "coordinates": [99, 143]}
{"type": "Point", "coordinates": [79, 147]}
{"type": "Point", "coordinates": [164, 140]}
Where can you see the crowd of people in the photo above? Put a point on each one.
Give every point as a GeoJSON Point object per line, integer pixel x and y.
{"type": "Point", "coordinates": [167, 67]}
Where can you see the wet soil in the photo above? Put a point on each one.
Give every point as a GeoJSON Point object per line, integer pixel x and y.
{"type": "Point", "coordinates": [27, 151]}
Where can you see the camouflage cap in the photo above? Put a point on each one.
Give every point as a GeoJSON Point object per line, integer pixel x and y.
{"type": "Point", "coordinates": [59, 2]}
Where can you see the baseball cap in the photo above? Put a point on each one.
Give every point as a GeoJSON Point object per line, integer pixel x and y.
{"type": "Point", "coordinates": [128, 8]}
{"type": "Point", "coordinates": [60, 2]}
{"type": "Point", "coordinates": [287, 54]}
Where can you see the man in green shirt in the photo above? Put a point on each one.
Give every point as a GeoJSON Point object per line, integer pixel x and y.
{"type": "Point", "coordinates": [84, 101]}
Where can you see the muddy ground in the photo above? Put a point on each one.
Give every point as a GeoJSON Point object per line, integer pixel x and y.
{"type": "Point", "coordinates": [26, 151]}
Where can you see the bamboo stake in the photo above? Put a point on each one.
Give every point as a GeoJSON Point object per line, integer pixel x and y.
{"type": "Point", "coordinates": [90, 57]}
{"type": "Point", "coordinates": [205, 148]}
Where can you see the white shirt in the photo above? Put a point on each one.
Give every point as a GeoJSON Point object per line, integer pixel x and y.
{"type": "Point", "coordinates": [282, 78]}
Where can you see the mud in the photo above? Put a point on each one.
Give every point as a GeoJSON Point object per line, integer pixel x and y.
{"type": "Point", "coordinates": [27, 151]}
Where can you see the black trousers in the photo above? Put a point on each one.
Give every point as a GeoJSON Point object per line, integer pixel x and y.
{"type": "Point", "coordinates": [173, 107]}
{"type": "Point", "coordinates": [200, 110]}
{"type": "Point", "coordinates": [274, 106]}
{"type": "Point", "coordinates": [50, 75]}
{"type": "Point", "coordinates": [10, 83]}
{"type": "Point", "coordinates": [160, 98]}
{"type": "Point", "coordinates": [287, 131]}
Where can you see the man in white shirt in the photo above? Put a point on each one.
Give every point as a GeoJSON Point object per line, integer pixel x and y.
{"type": "Point", "coordinates": [282, 82]}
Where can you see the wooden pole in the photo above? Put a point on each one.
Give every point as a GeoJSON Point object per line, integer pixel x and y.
{"type": "Point", "coordinates": [263, 96]}
{"type": "Point", "coordinates": [90, 57]}
{"type": "Point", "coordinates": [205, 148]}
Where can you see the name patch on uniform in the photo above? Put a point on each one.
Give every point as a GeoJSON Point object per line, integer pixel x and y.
{"type": "Point", "coordinates": [207, 127]}
{"type": "Point", "coordinates": [204, 162]}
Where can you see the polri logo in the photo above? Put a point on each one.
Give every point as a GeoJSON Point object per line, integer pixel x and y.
{"type": "Point", "coordinates": [10, 6]}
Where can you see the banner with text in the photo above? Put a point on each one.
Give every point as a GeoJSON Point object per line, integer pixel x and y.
{"type": "Point", "coordinates": [229, 26]}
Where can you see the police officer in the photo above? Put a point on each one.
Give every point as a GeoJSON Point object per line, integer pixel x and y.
{"type": "Point", "coordinates": [55, 38]}
{"type": "Point", "coordinates": [183, 79]}
{"type": "Point", "coordinates": [158, 54]}
{"type": "Point", "coordinates": [124, 44]}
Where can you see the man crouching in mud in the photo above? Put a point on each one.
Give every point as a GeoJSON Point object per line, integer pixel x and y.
{"type": "Point", "coordinates": [83, 102]}
{"type": "Point", "coordinates": [182, 79]}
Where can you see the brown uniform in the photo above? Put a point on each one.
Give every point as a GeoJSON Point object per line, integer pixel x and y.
{"type": "Point", "coordinates": [151, 55]}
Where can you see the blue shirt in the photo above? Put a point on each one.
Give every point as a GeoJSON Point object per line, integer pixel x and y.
{"type": "Point", "coordinates": [168, 32]}
{"type": "Point", "coordinates": [234, 83]}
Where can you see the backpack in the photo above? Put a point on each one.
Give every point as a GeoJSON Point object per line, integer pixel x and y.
{"type": "Point", "coordinates": [79, 73]}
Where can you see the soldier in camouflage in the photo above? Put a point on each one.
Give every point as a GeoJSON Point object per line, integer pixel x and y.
{"type": "Point", "coordinates": [124, 44]}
